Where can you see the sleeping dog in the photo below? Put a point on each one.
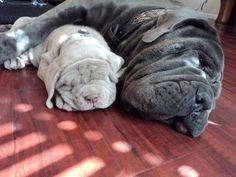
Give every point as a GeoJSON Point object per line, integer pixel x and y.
{"type": "Point", "coordinates": [173, 55]}
{"type": "Point", "coordinates": [76, 66]}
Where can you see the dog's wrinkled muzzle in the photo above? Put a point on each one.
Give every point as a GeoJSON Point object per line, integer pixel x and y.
{"type": "Point", "coordinates": [177, 92]}
{"type": "Point", "coordinates": [185, 104]}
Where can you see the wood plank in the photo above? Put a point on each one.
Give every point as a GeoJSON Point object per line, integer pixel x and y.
{"type": "Point", "coordinates": [190, 165]}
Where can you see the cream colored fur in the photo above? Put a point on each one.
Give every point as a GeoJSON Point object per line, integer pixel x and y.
{"type": "Point", "coordinates": [80, 71]}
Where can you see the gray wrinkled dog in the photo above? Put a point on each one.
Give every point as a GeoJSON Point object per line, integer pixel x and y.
{"type": "Point", "coordinates": [76, 66]}
{"type": "Point", "coordinates": [173, 55]}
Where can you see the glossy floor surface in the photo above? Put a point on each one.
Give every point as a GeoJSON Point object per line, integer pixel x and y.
{"type": "Point", "coordinates": [38, 142]}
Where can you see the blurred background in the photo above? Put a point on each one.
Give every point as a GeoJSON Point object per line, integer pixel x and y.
{"type": "Point", "coordinates": [223, 11]}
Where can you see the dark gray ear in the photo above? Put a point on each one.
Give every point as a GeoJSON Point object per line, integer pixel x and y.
{"type": "Point", "coordinates": [170, 20]}
{"type": "Point", "coordinates": [163, 25]}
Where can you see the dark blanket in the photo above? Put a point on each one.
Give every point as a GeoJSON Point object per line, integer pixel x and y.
{"type": "Point", "coordinates": [173, 56]}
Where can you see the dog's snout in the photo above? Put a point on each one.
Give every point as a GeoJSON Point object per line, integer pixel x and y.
{"type": "Point", "coordinates": [91, 98]}
{"type": "Point", "coordinates": [203, 99]}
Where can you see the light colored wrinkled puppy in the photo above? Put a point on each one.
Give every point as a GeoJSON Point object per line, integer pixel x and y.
{"type": "Point", "coordinates": [76, 66]}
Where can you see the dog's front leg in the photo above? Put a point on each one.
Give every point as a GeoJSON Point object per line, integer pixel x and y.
{"type": "Point", "coordinates": [8, 49]}
{"type": "Point", "coordinates": [17, 41]}
{"type": "Point", "coordinates": [17, 63]}
{"type": "Point", "coordinates": [61, 104]}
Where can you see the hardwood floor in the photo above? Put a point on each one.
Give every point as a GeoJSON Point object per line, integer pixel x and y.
{"type": "Point", "coordinates": [38, 142]}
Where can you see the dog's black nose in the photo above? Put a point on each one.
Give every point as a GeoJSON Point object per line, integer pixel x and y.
{"type": "Point", "coordinates": [203, 99]}
{"type": "Point", "coordinates": [91, 98]}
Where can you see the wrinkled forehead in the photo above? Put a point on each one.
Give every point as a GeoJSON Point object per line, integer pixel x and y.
{"type": "Point", "coordinates": [92, 65]}
{"type": "Point", "coordinates": [84, 72]}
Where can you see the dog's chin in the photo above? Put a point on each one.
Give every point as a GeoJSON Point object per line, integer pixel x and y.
{"type": "Point", "coordinates": [93, 97]}
{"type": "Point", "coordinates": [193, 124]}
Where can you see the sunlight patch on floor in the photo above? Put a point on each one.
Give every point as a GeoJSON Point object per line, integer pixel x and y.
{"type": "Point", "coordinates": [44, 116]}
{"type": "Point", "coordinates": [85, 168]}
{"type": "Point", "coordinates": [6, 129]}
{"type": "Point", "coordinates": [5, 100]}
{"type": "Point", "coordinates": [153, 159]}
{"type": "Point", "coordinates": [25, 142]}
{"type": "Point", "coordinates": [33, 165]}
{"type": "Point", "coordinates": [187, 171]}
{"type": "Point", "coordinates": [121, 146]}
{"type": "Point", "coordinates": [93, 135]}
{"type": "Point", "coordinates": [125, 173]}
{"type": "Point", "coordinates": [67, 125]}
{"type": "Point", "coordinates": [23, 107]}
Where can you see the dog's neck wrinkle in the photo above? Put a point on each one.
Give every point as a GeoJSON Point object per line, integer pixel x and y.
{"type": "Point", "coordinates": [71, 37]}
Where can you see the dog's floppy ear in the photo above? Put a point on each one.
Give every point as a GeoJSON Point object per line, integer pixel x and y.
{"type": "Point", "coordinates": [52, 76]}
{"type": "Point", "coordinates": [116, 62]}
{"type": "Point", "coordinates": [49, 72]}
{"type": "Point", "coordinates": [170, 20]}
{"type": "Point", "coordinates": [162, 27]}
{"type": "Point", "coordinates": [44, 62]}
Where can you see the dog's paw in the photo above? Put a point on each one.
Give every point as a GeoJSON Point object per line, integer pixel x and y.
{"type": "Point", "coordinates": [8, 48]}
{"type": "Point", "coordinates": [14, 64]}
{"type": "Point", "coordinates": [61, 104]}
{"type": "Point", "coordinates": [59, 101]}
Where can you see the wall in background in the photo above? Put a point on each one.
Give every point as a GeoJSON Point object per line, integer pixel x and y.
{"type": "Point", "coordinates": [209, 7]}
